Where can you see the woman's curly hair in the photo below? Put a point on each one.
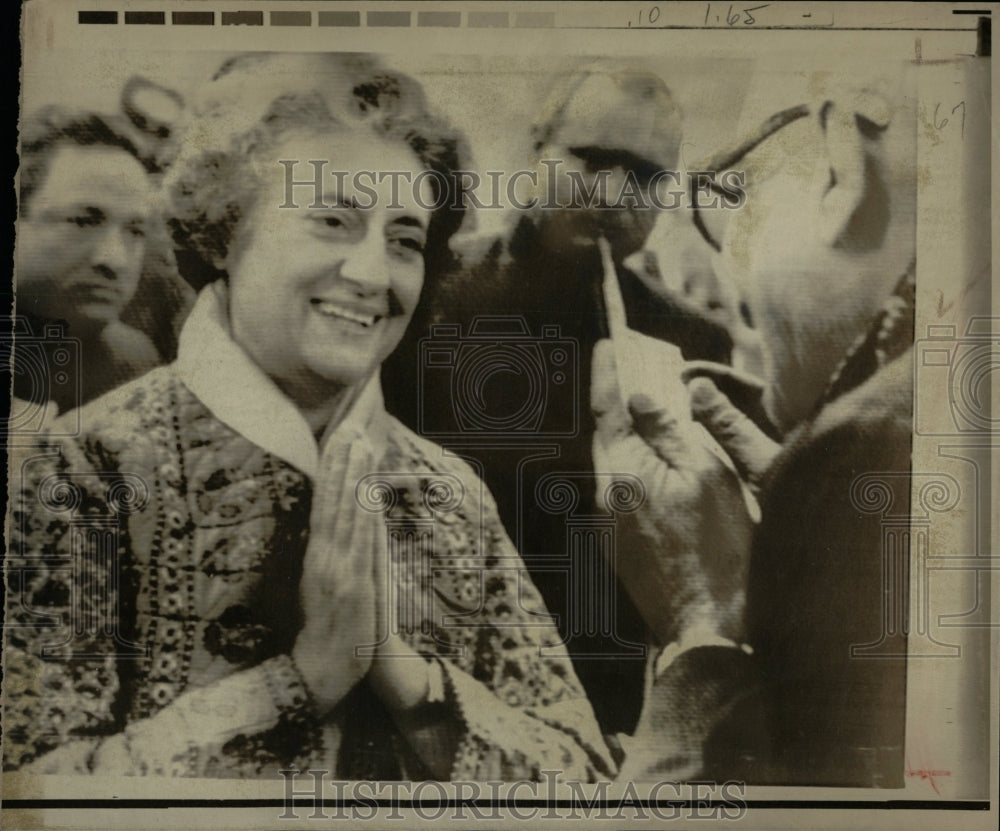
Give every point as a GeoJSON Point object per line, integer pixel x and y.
{"type": "Point", "coordinates": [256, 99]}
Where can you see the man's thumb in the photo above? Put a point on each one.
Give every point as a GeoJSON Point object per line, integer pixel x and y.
{"type": "Point", "coordinates": [751, 450]}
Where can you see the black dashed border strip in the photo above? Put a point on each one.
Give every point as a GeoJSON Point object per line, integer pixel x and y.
{"type": "Point", "coordinates": [146, 18]}
{"type": "Point", "coordinates": [192, 18]}
{"type": "Point", "coordinates": [429, 19]}
{"type": "Point", "coordinates": [245, 18]}
{"type": "Point", "coordinates": [339, 18]}
{"type": "Point", "coordinates": [305, 18]}
{"type": "Point", "coordinates": [291, 18]}
{"type": "Point", "coordinates": [99, 18]}
{"type": "Point", "coordinates": [373, 19]}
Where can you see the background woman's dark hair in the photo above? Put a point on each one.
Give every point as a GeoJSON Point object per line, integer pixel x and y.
{"type": "Point", "coordinates": [46, 130]}
{"type": "Point", "coordinates": [256, 99]}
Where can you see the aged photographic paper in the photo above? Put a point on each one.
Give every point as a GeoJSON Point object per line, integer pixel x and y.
{"type": "Point", "coordinates": [501, 413]}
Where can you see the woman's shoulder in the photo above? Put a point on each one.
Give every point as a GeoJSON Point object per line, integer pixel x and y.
{"type": "Point", "coordinates": [125, 416]}
{"type": "Point", "coordinates": [130, 347]}
{"type": "Point", "coordinates": [419, 453]}
{"type": "Point", "coordinates": [413, 454]}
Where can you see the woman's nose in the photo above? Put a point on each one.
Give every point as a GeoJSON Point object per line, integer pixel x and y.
{"type": "Point", "coordinates": [366, 264]}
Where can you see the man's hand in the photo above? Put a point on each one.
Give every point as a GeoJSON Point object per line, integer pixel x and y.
{"type": "Point", "coordinates": [751, 450]}
{"type": "Point", "coordinates": [337, 590]}
{"type": "Point", "coordinates": [683, 555]}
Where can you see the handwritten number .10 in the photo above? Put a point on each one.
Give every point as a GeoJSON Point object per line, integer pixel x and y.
{"type": "Point", "coordinates": [651, 18]}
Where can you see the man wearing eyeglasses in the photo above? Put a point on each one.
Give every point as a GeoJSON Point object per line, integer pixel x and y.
{"type": "Point", "coordinates": [779, 655]}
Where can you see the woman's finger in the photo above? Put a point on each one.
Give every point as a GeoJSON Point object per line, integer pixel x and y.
{"type": "Point", "coordinates": [345, 525]}
{"type": "Point", "coordinates": [328, 492]}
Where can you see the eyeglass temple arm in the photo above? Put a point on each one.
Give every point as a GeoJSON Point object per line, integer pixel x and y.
{"type": "Point", "coordinates": [727, 158]}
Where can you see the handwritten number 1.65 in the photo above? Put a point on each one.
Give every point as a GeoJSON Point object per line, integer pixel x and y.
{"type": "Point", "coordinates": [732, 17]}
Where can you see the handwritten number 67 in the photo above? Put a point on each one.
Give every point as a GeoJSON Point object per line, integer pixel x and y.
{"type": "Point", "coordinates": [940, 125]}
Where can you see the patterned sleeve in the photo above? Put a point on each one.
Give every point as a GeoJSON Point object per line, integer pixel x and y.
{"type": "Point", "coordinates": [509, 680]}
{"type": "Point", "coordinates": [62, 707]}
{"type": "Point", "coordinates": [60, 677]}
{"type": "Point", "coordinates": [206, 730]}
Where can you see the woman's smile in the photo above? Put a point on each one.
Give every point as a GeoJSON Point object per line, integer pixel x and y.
{"type": "Point", "coordinates": [340, 311]}
{"type": "Point", "coordinates": [320, 304]}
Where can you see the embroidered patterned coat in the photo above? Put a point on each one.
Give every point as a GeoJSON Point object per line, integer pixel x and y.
{"type": "Point", "coordinates": [156, 557]}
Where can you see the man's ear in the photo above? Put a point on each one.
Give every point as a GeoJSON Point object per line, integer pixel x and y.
{"type": "Point", "coordinates": [854, 206]}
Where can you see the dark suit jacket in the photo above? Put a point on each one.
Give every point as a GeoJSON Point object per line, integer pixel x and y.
{"type": "Point", "coordinates": [526, 276]}
{"type": "Point", "coordinates": [97, 363]}
{"type": "Point", "coordinates": [822, 700]}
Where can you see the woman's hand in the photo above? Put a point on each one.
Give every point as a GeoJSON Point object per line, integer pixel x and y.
{"type": "Point", "coordinates": [337, 590]}
{"type": "Point", "coordinates": [399, 675]}
{"type": "Point", "coordinates": [409, 685]}
{"type": "Point", "coordinates": [683, 555]}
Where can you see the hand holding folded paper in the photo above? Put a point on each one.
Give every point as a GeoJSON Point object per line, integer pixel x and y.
{"type": "Point", "coordinates": [653, 369]}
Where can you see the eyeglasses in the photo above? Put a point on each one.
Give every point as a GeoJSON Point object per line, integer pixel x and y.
{"type": "Point", "coordinates": [728, 158]}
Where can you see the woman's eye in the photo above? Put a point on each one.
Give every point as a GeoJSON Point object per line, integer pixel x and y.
{"type": "Point", "coordinates": [335, 217]}
{"type": "Point", "coordinates": [408, 245]}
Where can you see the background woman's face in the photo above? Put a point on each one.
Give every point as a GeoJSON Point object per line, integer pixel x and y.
{"type": "Point", "coordinates": [320, 296]}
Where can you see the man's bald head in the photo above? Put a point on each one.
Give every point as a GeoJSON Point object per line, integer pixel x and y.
{"type": "Point", "coordinates": [623, 108]}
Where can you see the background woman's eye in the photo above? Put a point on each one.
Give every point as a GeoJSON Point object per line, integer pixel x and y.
{"type": "Point", "coordinates": [88, 219]}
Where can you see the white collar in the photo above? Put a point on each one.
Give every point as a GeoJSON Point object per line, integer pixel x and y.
{"type": "Point", "coordinates": [239, 393]}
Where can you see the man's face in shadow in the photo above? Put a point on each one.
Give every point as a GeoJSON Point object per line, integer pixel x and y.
{"type": "Point", "coordinates": [611, 138]}
{"type": "Point", "coordinates": [82, 236]}
{"type": "Point", "coordinates": [621, 210]}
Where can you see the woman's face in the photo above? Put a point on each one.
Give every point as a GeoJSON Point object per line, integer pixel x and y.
{"type": "Point", "coordinates": [320, 296]}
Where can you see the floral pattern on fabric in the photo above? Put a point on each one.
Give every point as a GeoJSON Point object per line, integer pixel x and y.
{"type": "Point", "coordinates": [190, 581]}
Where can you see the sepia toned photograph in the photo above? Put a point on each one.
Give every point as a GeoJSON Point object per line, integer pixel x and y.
{"type": "Point", "coordinates": [508, 414]}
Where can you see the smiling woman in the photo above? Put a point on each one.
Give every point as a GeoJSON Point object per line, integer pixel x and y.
{"type": "Point", "coordinates": [320, 297]}
{"type": "Point", "coordinates": [272, 600]}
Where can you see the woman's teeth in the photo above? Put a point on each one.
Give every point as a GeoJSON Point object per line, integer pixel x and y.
{"type": "Point", "coordinates": [334, 310]}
